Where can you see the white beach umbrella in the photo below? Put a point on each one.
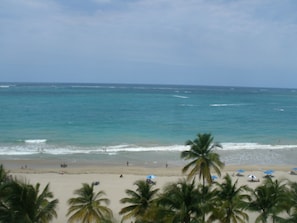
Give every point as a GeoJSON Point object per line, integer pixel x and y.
{"type": "Point", "coordinates": [252, 177]}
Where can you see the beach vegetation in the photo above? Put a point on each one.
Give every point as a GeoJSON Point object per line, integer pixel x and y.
{"type": "Point", "coordinates": [25, 203]}
{"type": "Point", "coordinates": [89, 206]}
{"type": "Point", "coordinates": [231, 202]}
{"type": "Point", "coordinates": [271, 200]}
{"type": "Point", "coordinates": [292, 202]}
{"type": "Point", "coordinates": [203, 158]}
{"type": "Point", "coordinates": [157, 214]}
{"type": "Point", "coordinates": [207, 196]}
{"type": "Point", "coordinates": [3, 174]}
{"type": "Point", "coordinates": [139, 201]}
{"type": "Point", "coordinates": [181, 202]}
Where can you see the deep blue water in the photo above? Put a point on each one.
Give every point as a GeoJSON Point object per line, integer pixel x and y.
{"type": "Point", "coordinates": [93, 118]}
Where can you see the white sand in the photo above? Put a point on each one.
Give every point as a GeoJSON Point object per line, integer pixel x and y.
{"type": "Point", "coordinates": [63, 185]}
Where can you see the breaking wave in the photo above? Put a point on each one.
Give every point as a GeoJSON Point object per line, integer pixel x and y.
{"type": "Point", "coordinates": [31, 147]}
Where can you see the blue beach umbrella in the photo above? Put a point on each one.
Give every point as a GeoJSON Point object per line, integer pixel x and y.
{"type": "Point", "coordinates": [268, 172]}
{"type": "Point", "coordinates": [213, 177]}
{"type": "Point", "coordinates": [150, 177]}
{"type": "Point", "coordinates": [295, 168]}
{"type": "Point", "coordinates": [240, 171]}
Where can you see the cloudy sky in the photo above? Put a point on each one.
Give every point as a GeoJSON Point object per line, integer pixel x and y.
{"type": "Point", "coordinates": [199, 42]}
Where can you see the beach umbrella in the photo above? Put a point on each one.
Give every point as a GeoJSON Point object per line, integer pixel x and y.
{"type": "Point", "coordinates": [268, 172]}
{"type": "Point", "coordinates": [293, 171]}
{"type": "Point", "coordinates": [213, 177]}
{"type": "Point", "coordinates": [150, 177]}
{"type": "Point", "coordinates": [240, 172]}
{"type": "Point", "coordinates": [252, 177]}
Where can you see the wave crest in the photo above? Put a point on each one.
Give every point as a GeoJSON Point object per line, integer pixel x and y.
{"type": "Point", "coordinates": [35, 141]}
{"type": "Point", "coordinates": [39, 146]}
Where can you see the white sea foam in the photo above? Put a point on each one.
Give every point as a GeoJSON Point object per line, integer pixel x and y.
{"type": "Point", "coordinates": [187, 105]}
{"type": "Point", "coordinates": [180, 96]}
{"type": "Point", "coordinates": [225, 105]}
{"type": "Point", "coordinates": [145, 149]}
{"type": "Point", "coordinates": [36, 148]}
{"type": "Point", "coordinates": [17, 150]}
{"type": "Point", "coordinates": [241, 146]}
{"type": "Point", "coordinates": [35, 141]}
{"type": "Point", "coordinates": [279, 109]}
{"type": "Point", "coordinates": [87, 86]}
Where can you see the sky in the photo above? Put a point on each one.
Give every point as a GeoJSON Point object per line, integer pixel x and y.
{"type": "Point", "coordinates": [193, 42]}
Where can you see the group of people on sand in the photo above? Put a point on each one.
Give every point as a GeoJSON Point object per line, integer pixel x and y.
{"type": "Point", "coordinates": [293, 172]}
{"type": "Point", "coordinates": [63, 165]}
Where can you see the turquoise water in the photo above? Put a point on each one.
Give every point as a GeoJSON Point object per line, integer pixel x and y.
{"type": "Point", "coordinates": [100, 119]}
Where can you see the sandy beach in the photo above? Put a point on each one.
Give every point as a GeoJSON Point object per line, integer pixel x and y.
{"type": "Point", "coordinates": [63, 181]}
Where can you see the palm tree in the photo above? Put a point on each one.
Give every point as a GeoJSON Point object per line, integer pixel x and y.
{"type": "Point", "coordinates": [181, 202]}
{"type": "Point", "coordinates": [270, 199]}
{"type": "Point", "coordinates": [3, 174]}
{"type": "Point", "coordinates": [292, 203]}
{"type": "Point", "coordinates": [4, 209]}
{"type": "Point", "coordinates": [139, 201]}
{"type": "Point", "coordinates": [6, 214]}
{"type": "Point", "coordinates": [22, 202]}
{"type": "Point", "coordinates": [157, 214]}
{"type": "Point", "coordinates": [231, 201]}
{"type": "Point", "coordinates": [202, 157]}
{"type": "Point", "coordinates": [87, 206]}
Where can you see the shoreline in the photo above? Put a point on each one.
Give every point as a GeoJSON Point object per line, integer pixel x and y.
{"type": "Point", "coordinates": [152, 159]}
{"type": "Point", "coordinates": [85, 167]}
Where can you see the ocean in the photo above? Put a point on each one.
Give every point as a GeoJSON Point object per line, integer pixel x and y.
{"type": "Point", "coordinates": [149, 124]}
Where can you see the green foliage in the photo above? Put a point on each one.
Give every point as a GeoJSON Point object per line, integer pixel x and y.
{"type": "Point", "coordinates": [22, 202]}
{"type": "Point", "coordinates": [138, 201]}
{"type": "Point", "coordinates": [231, 201]}
{"type": "Point", "coordinates": [292, 202]}
{"type": "Point", "coordinates": [181, 201]}
{"type": "Point", "coordinates": [87, 208]}
{"type": "Point", "coordinates": [3, 174]}
{"type": "Point", "coordinates": [270, 199]}
{"type": "Point", "coordinates": [202, 158]}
